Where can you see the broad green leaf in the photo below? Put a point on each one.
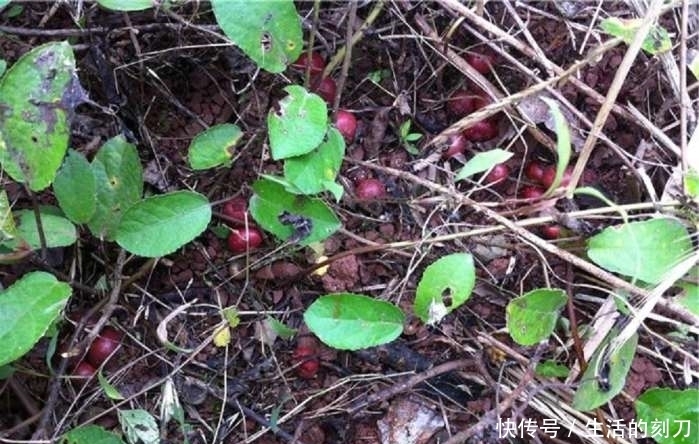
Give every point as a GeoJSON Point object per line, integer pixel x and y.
{"type": "Point", "coordinates": [552, 369]}
{"type": "Point", "coordinates": [445, 285]}
{"type": "Point", "coordinates": [269, 32]}
{"type": "Point", "coordinates": [159, 225]}
{"type": "Point", "coordinates": [644, 250]}
{"type": "Point", "coordinates": [691, 183]}
{"type": "Point", "coordinates": [58, 231]}
{"type": "Point", "coordinates": [119, 183]}
{"type": "Point", "coordinates": [27, 309]}
{"type": "Point", "coordinates": [37, 95]}
{"type": "Point", "coordinates": [126, 5]}
{"type": "Point", "coordinates": [657, 41]}
{"type": "Point", "coordinates": [689, 297]}
{"type": "Point", "coordinates": [8, 228]}
{"type": "Point", "coordinates": [139, 426]}
{"type": "Point", "coordinates": [312, 171]}
{"type": "Point", "coordinates": [531, 317]}
{"type": "Point", "coordinates": [214, 146]}
{"type": "Point", "coordinates": [91, 434]}
{"type": "Point", "coordinates": [299, 125]}
{"type": "Point", "coordinates": [271, 200]}
{"type": "Point", "coordinates": [678, 408]}
{"type": "Point", "coordinates": [3, 67]}
{"type": "Point", "coordinates": [75, 188]}
{"type": "Point", "coordinates": [483, 162]}
{"type": "Point", "coordinates": [562, 142]}
{"type": "Point", "coordinates": [593, 391]}
{"type": "Point", "coordinates": [109, 389]}
{"type": "Point", "coordinates": [348, 321]}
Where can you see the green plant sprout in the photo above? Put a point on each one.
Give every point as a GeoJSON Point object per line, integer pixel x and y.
{"type": "Point", "coordinates": [407, 138]}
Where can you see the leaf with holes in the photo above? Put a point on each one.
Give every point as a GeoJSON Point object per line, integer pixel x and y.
{"type": "Point", "coordinates": [119, 184]}
{"type": "Point", "coordinates": [644, 250]}
{"type": "Point", "coordinates": [269, 32]}
{"type": "Point", "coordinates": [214, 146]}
{"type": "Point", "coordinates": [348, 321]}
{"type": "Point", "coordinates": [159, 225]}
{"type": "Point", "coordinates": [299, 125]}
{"type": "Point", "coordinates": [75, 188]}
{"type": "Point", "coordinates": [27, 309]}
{"type": "Point", "coordinates": [312, 172]}
{"type": "Point", "coordinates": [37, 95]}
{"type": "Point", "coordinates": [445, 285]}
{"type": "Point", "coordinates": [657, 41]}
{"type": "Point", "coordinates": [271, 200]}
{"type": "Point", "coordinates": [531, 317]}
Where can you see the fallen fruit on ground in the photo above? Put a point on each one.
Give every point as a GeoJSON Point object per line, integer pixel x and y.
{"type": "Point", "coordinates": [497, 174]}
{"type": "Point", "coordinates": [481, 62]}
{"type": "Point", "coordinates": [550, 174]}
{"type": "Point", "coordinates": [534, 171]}
{"type": "Point", "coordinates": [551, 231]}
{"type": "Point", "coordinates": [316, 62]}
{"type": "Point", "coordinates": [84, 370]}
{"type": "Point", "coordinates": [482, 131]}
{"type": "Point", "coordinates": [530, 192]}
{"type": "Point", "coordinates": [325, 87]}
{"type": "Point", "coordinates": [346, 124]}
{"type": "Point", "coordinates": [462, 103]}
{"type": "Point", "coordinates": [456, 145]}
{"type": "Point", "coordinates": [236, 212]}
{"type": "Point", "coordinates": [103, 346]}
{"type": "Point", "coordinates": [243, 239]}
{"type": "Point", "coordinates": [370, 188]}
{"type": "Point", "coordinates": [308, 363]}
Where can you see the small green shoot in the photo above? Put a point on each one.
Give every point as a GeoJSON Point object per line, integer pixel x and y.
{"type": "Point", "coordinates": [408, 139]}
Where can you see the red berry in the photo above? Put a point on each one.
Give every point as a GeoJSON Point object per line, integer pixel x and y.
{"type": "Point", "coordinates": [241, 240]}
{"type": "Point", "coordinates": [84, 370]}
{"type": "Point", "coordinates": [325, 87]}
{"type": "Point", "coordinates": [103, 346]}
{"type": "Point", "coordinates": [534, 171]}
{"type": "Point", "coordinates": [497, 174]}
{"type": "Point", "coordinates": [236, 211]}
{"type": "Point", "coordinates": [317, 63]}
{"type": "Point", "coordinates": [480, 62]}
{"type": "Point", "coordinates": [346, 124]}
{"type": "Point", "coordinates": [457, 145]}
{"type": "Point", "coordinates": [461, 103]}
{"type": "Point", "coordinates": [369, 189]}
{"type": "Point", "coordinates": [550, 174]}
{"type": "Point", "coordinates": [309, 365]}
{"type": "Point", "coordinates": [530, 192]}
{"type": "Point", "coordinates": [551, 231]}
{"type": "Point", "coordinates": [482, 131]}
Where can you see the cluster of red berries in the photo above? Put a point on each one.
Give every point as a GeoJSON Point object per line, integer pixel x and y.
{"type": "Point", "coordinates": [104, 345]}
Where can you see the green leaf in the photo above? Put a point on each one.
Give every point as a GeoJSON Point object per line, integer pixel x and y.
{"type": "Point", "coordinates": [109, 389]}
{"type": "Point", "coordinates": [119, 183]}
{"type": "Point", "coordinates": [75, 188]}
{"type": "Point", "coordinates": [139, 426]}
{"type": "Point", "coordinates": [214, 146]}
{"type": "Point", "coordinates": [91, 434]}
{"type": "Point", "coordinates": [445, 285]}
{"type": "Point", "coordinates": [562, 143]}
{"type": "Point", "coordinates": [271, 200]}
{"type": "Point", "coordinates": [159, 225]}
{"type": "Point", "coordinates": [3, 67]}
{"type": "Point", "coordinates": [37, 94]}
{"type": "Point", "coordinates": [280, 328]}
{"type": "Point", "coordinates": [269, 32]}
{"type": "Point", "coordinates": [678, 408]}
{"type": "Point", "coordinates": [531, 317]}
{"type": "Point", "coordinates": [310, 172]}
{"type": "Point", "coordinates": [299, 125]}
{"type": "Point", "coordinates": [552, 369]}
{"type": "Point", "coordinates": [689, 298]}
{"type": "Point", "coordinates": [413, 137]}
{"type": "Point", "coordinates": [657, 41]}
{"type": "Point", "coordinates": [58, 231]}
{"type": "Point", "coordinates": [27, 309]}
{"type": "Point", "coordinates": [348, 321]}
{"type": "Point", "coordinates": [8, 228]}
{"type": "Point", "coordinates": [483, 162]}
{"type": "Point", "coordinates": [644, 250]}
{"type": "Point", "coordinates": [591, 393]}
{"type": "Point", "coordinates": [126, 5]}
{"type": "Point", "coordinates": [693, 65]}
{"type": "Point", "coordinates": [691, 183]}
